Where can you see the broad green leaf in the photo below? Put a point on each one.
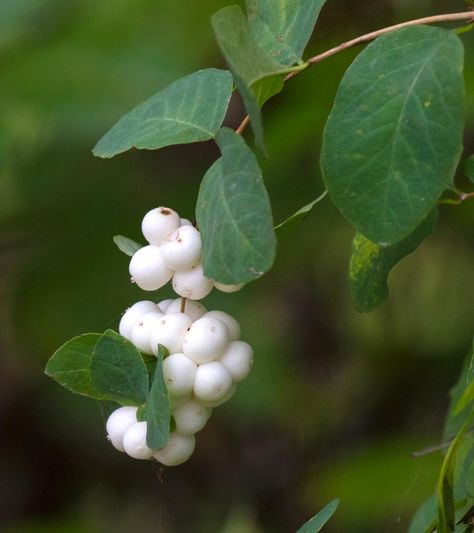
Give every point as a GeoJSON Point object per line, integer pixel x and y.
{"type": "Point", "coordinates": [70, 365]}
{"type": "Point", "coordinates": [158, 408]}
{"type": "Point", "coordinates": [320, 520]}
{"type": "Point", "coordinates": [297, 217]}
{"type": "Point", "coordinates": [189, 110]}
{"type": "Point", "coordinates": [234, 215]}
{"type": "Point", "coordinates": [118, 371]}
{"type": "Point", "coordinates": [371, 264]}
{"type": "Point", "coordinates": [426, 517]}
{"type": "Point", "coordinates": [467, 396]}
{"type": "Point", "coordinates": [445, 492]}
{"type": "Point", "coordinates": [458, 414]}
{"type": "Point", "coordinates": [284, 27]}
{"type": "Point", "coordinates": [469, 168]}
{"type": "Point", "coordinates": [394, 137]}
{"type": "Point", "coordinates": [126, 245]}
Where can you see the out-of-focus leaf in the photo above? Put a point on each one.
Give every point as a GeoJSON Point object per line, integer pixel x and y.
{"type": "Point", "coordinates": [371, 264]}
{"type": "Point", "coordinates": [118, 371]}
{"type": "Point", "coordinates": [320, 520]}
{"type": "Point", "coordinates": [394, 137]}
{"type": "Point", "coordinates": [425, 517]}
{"type": "Point", "coordinates": [189, 110]}
{"type": "Point", "coordinates": [297, 217]}
{"type": "Point", "coordinates": [469, 168]}
{"type": "Point", "coordinates": [158, 407]}
{"type": "Point", "coordinates": [468, 395]}
{"type": "Point", "coordinates": [234, 215]}
{"type": "Point", "coordinates": [126, 245]}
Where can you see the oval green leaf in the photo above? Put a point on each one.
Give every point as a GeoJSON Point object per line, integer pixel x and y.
{"type": "Point", "coordinates": [394, 137]}
{"type": "Point", "coordinates": [126, 245]}
{"type": "Point", "coordinates": [321, 519]}
{"type": "Point", "coordinates": [234, 215]}
{"type": "Point", "coordinates": [469, 168]}
{"type": "Point", "coordinates": [189, 110]}
{"type": "Point", "coordinates": [118, 371]}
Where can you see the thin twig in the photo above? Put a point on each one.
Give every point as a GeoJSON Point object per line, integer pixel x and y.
{"type": "Point", "coordinates": [183, 305]}
{"type": "Point", "coordinates": [368, 37]}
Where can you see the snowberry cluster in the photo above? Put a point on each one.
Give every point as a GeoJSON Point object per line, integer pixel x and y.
{"type": "Point", "coordinates": [206, 361]}
{"type": "Point", "coordinates": [174, 253]}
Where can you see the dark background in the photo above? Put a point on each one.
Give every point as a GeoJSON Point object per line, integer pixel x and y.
{"type": "Point", "coordinates": [337, 400]}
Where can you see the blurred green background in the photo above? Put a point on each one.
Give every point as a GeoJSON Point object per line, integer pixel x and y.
{"type": "Point", "coordinates": [337, 400]}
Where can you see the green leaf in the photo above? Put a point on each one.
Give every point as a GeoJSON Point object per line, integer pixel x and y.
{"type": "Point", "coordinates": [234, 215]}
{"type": "Point", "coordinates": [445, 491]}
{"type": "Point", "coordinates": [319, 521]}
{"type": "Point", "coordinates": [458, 414]}
{"type": "Point", "coordinates": [158, 411]}
{"type": "Point", "coordinates": [297, 217]}
{"type": "Point", "coordinates": [126, 245]}
{"type": "Point", "coordinates": [371, 264]}
{"type": "Point", "coordinates": [70, 365]}
{"type": "Point", "coordinates": [189, 110]}
{"type": "Point", "coordinates": [469, 168]}
{"type": "Point", "coordinates": [426, 517]}
{"type": "Point", "coordinates": [118, 371]}
{"type": "Point", "coordinates": [394, 137]}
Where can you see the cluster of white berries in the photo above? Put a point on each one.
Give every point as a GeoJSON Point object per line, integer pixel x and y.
{"type": "Point", "coordinates": [174, 252]}
{"type": "Point", "coordinates": [206, 357]}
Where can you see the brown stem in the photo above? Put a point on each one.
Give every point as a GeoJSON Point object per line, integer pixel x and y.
{"type": "Point", "coordinates": [183, 305]}
{"type": "Point", "coordinates": [448, 17]}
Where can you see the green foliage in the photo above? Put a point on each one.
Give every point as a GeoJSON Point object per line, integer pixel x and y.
{"type": "Point", "coordinates": [426, 517]}
{"type": "Point", "coordinates": [371, 264]}
{"type": "Point", "coordinates": [297, 217]}
{"type": "Point", "coordinates": [158, 411]}
{"type": "Point", "coordinates": [320, 520]}
{"type": "Point", "coordinates": [394, 136]}
{"type": "Point", "coordinates": [70, 365]}
{"type": "Point", "coordinates": [262, 47]}
{"type": "Point", "coordinates": [126, 245]}
{"type": "Point", "coordinates": [189, 110]}
{"type": "Point", "coordinates": [234, 215]}
{"type": "Point", "coordinates": [469, 168]}
{"type": "Point", "coordinates": [117, 370]}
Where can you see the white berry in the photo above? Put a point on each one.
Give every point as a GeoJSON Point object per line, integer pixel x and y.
{"type": "Point", "coordinates": [185, 222]}
{"type": "Point", "coordinates": [192, 283]}
{"type": "Point", "coordinates": [238, 359]}
{"type": "Point", "coordinates": [227, 288]}
{"type": "Point", "coordinates": [220, 401]}
{"type": "Point", "coordinates": [179, 373]}
{"type": "Point", "coordinates": [142, 330]}
{"type": "Point", "coordinates": [206, 340]}
{"type": "Point", "coordinates": [182, 249]}
{"type": "Point", "coordinates": [133, 314]}
{"type": "Point", "coordinates": [213, 381]}
{"type": "Point", "coordinates": [178, 450]}
{"type": "Point", "coordinates": [158, 223]}
{"type": "Point", "coordinates": [192, 308]}
{"type": "Point", "coordinates": [134, 441]}
{"type": "Point", "coordinates": [170, 332]}
{"type": "Point", "coordinates": [118, 423]}
{"type": "Point", "coordinates": [232, 324]}
{"type": "Point", "coordinates": [191, 417]}
{"type": "Point", "coordinates": [178, 401]}
{"type": "Point", "coordinates": [164, 304]}
{"type": "Point", "coordinates": [148, 269]}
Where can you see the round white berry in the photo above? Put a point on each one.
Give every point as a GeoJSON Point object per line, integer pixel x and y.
{"type": "Point", "coordinates": [227, 288]}
{"type": "Point", "coordinates": [213, 381]}
{"type": "Point", "coordinates": [192, 283]}
{"type": "Point", "coordinates": [185, 222]}
{"type": "Point", "coordinates": [238, 359]}
{"type": "Point", "coordinates": [179, 372]}
{"type": "Point", "coordinates": [178, 401]}
{"type": "Point", "coordinates": [231, 323]}
{"type": "Point", "coordinates": [178, 450]}
{"type": "Point", "coordinates": [158, 223]}
{"type": "Point", "coordinates": [206, 340]}
{"type": "Point", "coordinates": [134, 441]}
{"type": "Point", "coordinates": [191, 417]}
{"type": "Point", "coordinates": [142, 330]}
{"type": "Point", "coordinates": [220, 401]}
{"type": "Point", "coordinates": [164, 304]}
{"type": "Point", "coordinates": [133, 314]}
{"type": "Point", "coordinates": [192, 308]}
{"type": "Point", "coordinates": [118, 423]}
{"type": "Point", "coordinates": [182, 249]}
{"type": "Point", "coordinates": [148, 269]}
{"type": "Point", "coordinates": [169, 332]}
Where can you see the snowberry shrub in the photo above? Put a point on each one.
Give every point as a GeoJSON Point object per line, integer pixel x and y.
{"type": "Point", "coordinates": [390, 150]}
